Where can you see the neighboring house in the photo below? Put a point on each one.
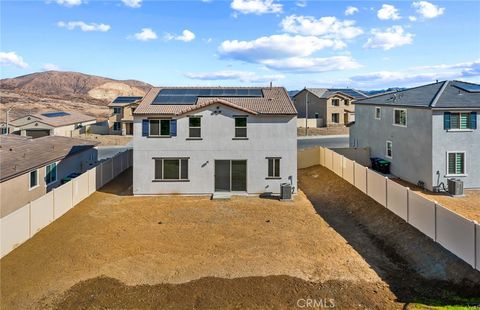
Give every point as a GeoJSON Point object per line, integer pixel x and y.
{"type": "Point", "coordinates": [329, 106]}
{"type": "Point", "coordinates": [29, 168]}
{"type": "Point", "coordinates": [54, 123]}
{"type": "Point", "coordinates": [201, 140]}
{"type": "Point", "coordinates": [428, 133]}
{"type": "Point", "coordinates": [120, 120]}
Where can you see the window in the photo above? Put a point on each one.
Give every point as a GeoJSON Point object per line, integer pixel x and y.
{"type": "Point", "coordinates": [51, 173]}
{"type": "Point", "coordinates": [316, 115]}
{"type": "Point", "coordinates": [460, 121]}
{"type": "Point", "coordinates": [4, 131]}
{"type": "Point", "coordinates": [117, 110]}
{"type": "Point", "coordinates": [171, 169]}
{"type": "Point", "coordinates": [33, 179]}
{"type": "Point", "coordinates": [336, 102]}
{"type": "Point", "coordinates": [346, 102]}
{"type": "Point", "coordinates": [456, 163]}
{"type": "Point", "coordinates": [117, 126]}
{"type": "Point", "coordinates": [388, 151]}
{"type": "Point", "coordinates": [273, 167]}
{"type": "Point", "coordinates": [400, 117]}
{"type": "Point", "coordinates": [335, 118]}
{"type": "Point", "coordinates": [194, 127]}
{"type": "Point", "coordinates": [159, 127]}
{"type": "Point", "coordinates": [378, 113]}
{"type": "Point", "coordinates": [240, 127]}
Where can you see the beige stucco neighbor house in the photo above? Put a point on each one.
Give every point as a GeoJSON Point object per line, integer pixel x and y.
{"type": "Point", "coordinates": [29, 168]}
{"type": "Point", "coordinates": [120, 120]}
{"type": "Point", "coordinates": [53, 123]}
{"type": "Point", "coordinates": [326, 106]}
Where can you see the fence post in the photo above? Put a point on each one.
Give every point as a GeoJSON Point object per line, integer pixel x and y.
{"type": "Point", "coordinates": [354, 172]}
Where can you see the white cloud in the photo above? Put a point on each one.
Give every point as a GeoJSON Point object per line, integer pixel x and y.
{"type": "Point", "coordinates": [133, 3]}
{"type": "Point", "coordinates": [186, 36]}
{"type": "Point", "coordinates": [84, 26]}
{"type": "Point", "coordinates": [69, 2]}
{"type": "Point", "coordinates": [11, 58]}
{"type": "Point", "coordinates": [242, 76]}
{"type": "Point", "coordinates": [301, 3]}
{"type": "Point", "coordinates": [312, 64]}
{"type": "Point", "coordinates": [412, 18]}
{"type": "Point", "coordinates": [258, 7]}
{"type": "Point", "coordinates": [328, 26]}
{"type": "Point", "coordinates": [146, 34]}
{"type": "Point", "coordinates": [427, 9]}
{"type": "Point", "coordinates": [351, 10]}
{"type": "Point", "coordinates": [50, 67]}
{"type": "Point", "coordinates": [394, 36]}
{"type": "Point", "coordinates": [387, 12]}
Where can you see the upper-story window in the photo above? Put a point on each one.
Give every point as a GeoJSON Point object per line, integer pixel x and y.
{"type": "Point", "coordinates": [240, 127]}
{"type": "Point", "coordinates": [194, 127]}
{"type": "Point", "coordinates": [336, 102]}
{"type": "Point", "coordinates": [400, 117]}
{"type": "Point", "coordinates": [460, 120]}
{"type": "Point", "coordinates": [159, 127]}
{"type": "Point", "coordinates": [117, 110]}
{"type": "Point", "coordinates": [378, 113]}
{"type": "Point", "coordinates": [346, 102]}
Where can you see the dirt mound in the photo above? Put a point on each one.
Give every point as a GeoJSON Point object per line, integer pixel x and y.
{"type": "Point", "coordinates": [112, 90]}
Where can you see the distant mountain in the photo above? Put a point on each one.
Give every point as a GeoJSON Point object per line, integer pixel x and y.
{"type": "Point", "coordinates": [66, 85]}
{"type": "Point", "coordinates": [292, 93]}
{"type": "Point", "coordinates": [381, 91]}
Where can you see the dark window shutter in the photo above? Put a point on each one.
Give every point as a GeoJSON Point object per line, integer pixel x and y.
{"type": "Point", "coordinates": [144, 127]}
{"type": "Point", "coordinates": [446, 120]}
{"type": "Point", "coordinates": [173, 128]}
{"type": "Point", "coordinates": [473, 120]}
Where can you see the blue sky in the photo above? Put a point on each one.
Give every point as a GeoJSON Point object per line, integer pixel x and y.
{"type": "Point", "coordinates": [361, 44]}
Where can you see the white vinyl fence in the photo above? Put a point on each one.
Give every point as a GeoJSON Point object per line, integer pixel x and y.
{"type": "Point", "coordinates": [454, 232]}
{"type": "Point", "coordinates": [22, 224]}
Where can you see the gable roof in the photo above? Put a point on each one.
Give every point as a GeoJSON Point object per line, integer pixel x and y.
{"type": "Point", "coordinates": [274, 101]}
{"type": "Point", "coordinates": [63, 118]}
{"type": "Point", "coordinates": [325, 93]}
{"type": "Point", "coordinates": [19, 154]}
{"type": "Point", "coordinates": [445, 94]}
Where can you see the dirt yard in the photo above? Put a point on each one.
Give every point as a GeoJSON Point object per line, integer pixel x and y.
{"type": "Point", "coordinates": [467, 206]}
{"type": "Point", "coordinates": [324, 131]}
{"type": "Point", "coordinates": [122, 252]}
{"type": "Point", "coordinates": [107, 140]}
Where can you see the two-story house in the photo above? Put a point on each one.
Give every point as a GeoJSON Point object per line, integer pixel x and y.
{"type": "Point", "coordinates": [203, 140]}
{"type": "Point", "coordinates": [428, 133]}
{"type": "Point", "coordinates": [329, 106]}
{"type": "Point", "coordinates": [120, 119]}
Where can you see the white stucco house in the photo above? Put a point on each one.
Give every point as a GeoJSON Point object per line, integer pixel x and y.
{"type": "Point", "coordinates": [203, 140]}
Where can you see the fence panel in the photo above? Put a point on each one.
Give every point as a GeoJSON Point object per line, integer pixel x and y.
{"type": "Point", "coordinates": [98, 176]}
{"type": "Point", "coordinates": [421, 213]}
{"type": "Point", "coordinates": [107, 171]}
{"type": "Point", "coordinates": [377, 187]}
{"type": "Point", "coordinates": [117, 164]}
{"type": "Point", "coordinates": [80, 188]}
{"type": "Point", "coordinates": [322, 156]}
{"type": "Point", "coordinates": [360, 177]}
{"type": "Point", "coordinates": [456, 234]}
{"type": "Point", "coordinates": [15, 229]}
{"type": "Point", "coordinates": [348, 170]}
{"type": "Point", "coordinates": [397, 199]}
{"type": "Point", "coordinates": [308, 157]}
{"type": "Point", "coordinates": [62, 199]}
{"type": "Point", "coordinates": [41, 212]}
{"type": "Point", "coordinates": [337, 164]}
{"type": "Point", "coordinates": [130, 158]}
{"type": "Point", "coordinates": [329, 159]}
{"type": "Point", "coordinates": [124, 161]}
{"type": "Point", "coordinates": [92, 180]}
{"type": "Point", "coordinates": [477, 246]}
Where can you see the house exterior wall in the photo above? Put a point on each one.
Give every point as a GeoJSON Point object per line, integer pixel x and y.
{"type": "Point", "coordinates": [344, 104]}
{"type": "Point", "coordinates": [268, 136]}
{"type": "Point", "coordinates": [444, 141]}
{"type": "Point", "coordinates": [411, 146]}
{"type": "Point", "coordinates": [126, 116]}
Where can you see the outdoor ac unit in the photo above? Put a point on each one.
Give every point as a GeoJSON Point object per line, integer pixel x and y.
{"type": "Point", "coordinates": [455, 187]}
{"type": "Point", "coordinates": [285, 191]}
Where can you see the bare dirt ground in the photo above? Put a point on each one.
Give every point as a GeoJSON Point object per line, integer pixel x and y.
{"type": "Point", "coordinates": [417, 270]}
{"type": "Point", "coordinates": [106, 140]}
{"type": "Point", "coordinates": [324, 131]}
{"type": "Point", "coordinates": [467, 206]}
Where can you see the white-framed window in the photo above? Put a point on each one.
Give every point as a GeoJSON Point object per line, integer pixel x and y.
{"type": "Point", "coordinates": [389, 149]}
{"type": "Point", "coordinates": [171, 169]}
{"type": "Point", "coordinates": [456, 163]}
{"type": "Point", "coordinates": [335, 118]}
{"type": "Point", "coordinates": [459, 120]}
{"type": "Point", "coordinates": [240, 127]}
{"type": "Point", "coordinates": [159, 127]}
{"type": "Point", "coordinates": [33, 179]}
{"type": "Point", "coordinates": [117, 110]}
{"type": "Point", "coordinates": [273, 167]}
{"type": "Point", "coordinates": [117, 126]}
{"type": "Point", "coordinates": [51, 173]}
{"type": "Point", "coordinates": [3, 130]}
{"type": "Point", "coordinates": [194, 127]}
{"type": "Point", "coordinates": [378, 113]}
{"type": "Point", "coordinates": [400, 117]}
{"type": "Point", "coordinates": [336, 102]}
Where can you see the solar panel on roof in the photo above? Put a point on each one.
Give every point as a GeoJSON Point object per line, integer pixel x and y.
{"type": "Point", "coordinates": [55, 114]}
{"type": "Point", "coordinates": [126, 99]}
{"type": "Point", "coordinates": [190, 95]}
{"type": "Point", "coordinates": [472, 88]}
